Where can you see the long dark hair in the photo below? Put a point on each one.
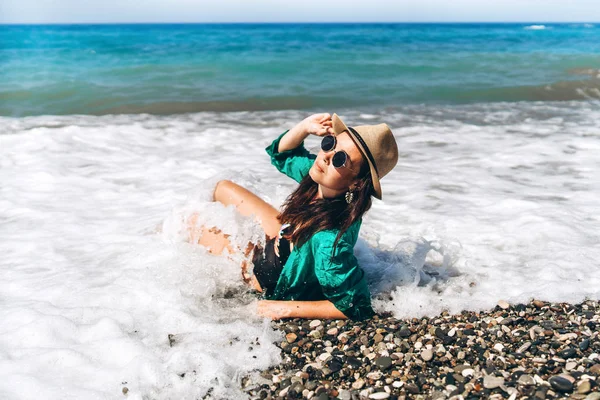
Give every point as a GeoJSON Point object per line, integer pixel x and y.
{"type": "Point", "coordinates": [308, 216]}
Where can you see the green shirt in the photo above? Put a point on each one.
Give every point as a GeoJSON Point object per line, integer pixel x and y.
{"type": "Point", "coordinates": [314, 271]}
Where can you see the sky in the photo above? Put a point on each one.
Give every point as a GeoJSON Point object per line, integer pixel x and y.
{"type": "Point", "coordinates": [169, 11]}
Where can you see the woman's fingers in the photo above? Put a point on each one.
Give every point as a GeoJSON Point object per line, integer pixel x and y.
{"type": "Point", "coordinates": [324, 117]}
{"type": "Point", "coordinates": [319, 124]}
{"type": "Point", "coordinates": [324, 130]}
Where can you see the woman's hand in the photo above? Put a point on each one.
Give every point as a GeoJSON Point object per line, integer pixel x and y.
{"type": "Point", "coordinates": [317, 124]}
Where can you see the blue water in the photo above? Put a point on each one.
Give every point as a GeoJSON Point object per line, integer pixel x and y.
{"type": "Point", "coordinates": [166, 69]}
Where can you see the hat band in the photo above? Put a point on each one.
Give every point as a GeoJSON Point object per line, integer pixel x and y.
{"type": "Point", "coordinates": [367, 151]}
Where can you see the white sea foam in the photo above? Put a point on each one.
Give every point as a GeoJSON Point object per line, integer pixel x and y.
{"type": "Point", "coordinates": [537, 27]}
{"type": "Point", "coordinates": [487, 202]}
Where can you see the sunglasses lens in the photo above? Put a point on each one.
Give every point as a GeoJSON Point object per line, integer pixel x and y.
{"type": "Point", "coordinates": [328, 143]}
{"type": "Point", "coordinates": [339, 159]}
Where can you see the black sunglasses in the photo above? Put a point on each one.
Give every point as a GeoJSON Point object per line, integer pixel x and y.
{"type": "Point", "coordinates": [340, 158]}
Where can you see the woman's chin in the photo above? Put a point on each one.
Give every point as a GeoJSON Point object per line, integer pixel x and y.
{"type": "Point", "coordinates": [315, 173]}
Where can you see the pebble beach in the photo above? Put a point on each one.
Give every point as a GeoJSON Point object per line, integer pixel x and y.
{"type": "Point", "coordinates": [113, 135]}
{"type": "Point", "coordinates": [538, 350]}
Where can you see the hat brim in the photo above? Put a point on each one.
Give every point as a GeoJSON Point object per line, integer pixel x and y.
{"type": "Point", "coordinates": [338, 127]}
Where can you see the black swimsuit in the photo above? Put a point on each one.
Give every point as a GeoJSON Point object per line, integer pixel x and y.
{"type": "Point", "coordinates": [267, 265]}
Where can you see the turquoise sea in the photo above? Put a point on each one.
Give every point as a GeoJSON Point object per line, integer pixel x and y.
{"type": "Point", "coordinates": [180, 68]}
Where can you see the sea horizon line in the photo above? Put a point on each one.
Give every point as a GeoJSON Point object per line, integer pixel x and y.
{"type": "Point", "coordinates": [304, 23]}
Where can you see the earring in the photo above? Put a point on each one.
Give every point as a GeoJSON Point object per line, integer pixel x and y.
{"type": "Point", "coordinates": [349, 196]}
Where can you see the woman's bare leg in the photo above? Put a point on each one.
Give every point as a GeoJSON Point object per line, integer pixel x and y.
{"type": "Point", "coordinates": [246, 203]}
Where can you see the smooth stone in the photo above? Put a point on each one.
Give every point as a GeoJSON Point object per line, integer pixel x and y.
{"type": "Point", "coordinates": [322, 396]}
{"type": "Point", "coordinates": [285, 383]}
{"type": "Point", "coordinates": [595, 369]}
{"type": "Point", "coordinates": [467, 372]}
{"type": "Point", "coordinates": [343, 337]}
{"type": "Point", "coordinates": [526, 380]}
{"type": "Point", "coordinates": [583, 346]}
{"type": "Point", "coordinates": [460, 368]}
{"type": "Point", "coordinates": [384, 362]}
{"type": "Point", "coordinates": [568, 377]}
{"type": "Point", "coordinates": [333, 331]}
{"type": "Point", "coordinates": [354, 362]}
{"type": "Point", "coordinates": [492, 382]}
{"type": "Point", "coordinates": [567, 336]}
{"type": "Point", "coordinates": [461, 355]}
{"type": "Point", "coordinates": [437, 395]}
{"type": "Point", "coordinates": [335, 365]}
{"type": "Point", "coordinates": [584, 387]}
{"type": "Point", "coordinates": [540, 394]}
{"type": "Point", "coordinates": [516, 375]}
{"type": "Point", "coordinates": [358, 384]}
{"type": "Point", "coordinates": [378, 337]}
{"type": "Point", "coordinates": [570, 365]}
{"type": "Point", "coordinates": [524, 347]}
{"type": "Point", "coordinates": [538, 303]}
{"type": "Point", "coordinates": [412, 388]}
{"type": "Point", "coordinates": [291, 337]}
{"type": "Point", "coordinates": [593, 396]}
{"type": "Point", "coordinates": [320, 389]}
{"type": "Point", "coordinates": [567, 353]}
{"type": "Point", "coordinates": [375, 375]}
{"type": "Point", "coordinates": [499, 347]}
{"type": "Point", "coordinates": [404, 332]}
{"type": "Point", "coordinates": [345, 395]}
{"type": "Point", "coordinates": [297, 388]}
{"type": "Point", "coordinates": [379, 395]}
{"type": "Point", "coordinates": [503, 304]}
{"type": "Point", "coordinates": [315, 334]}
{"type": "Point", "coordinates": [561, 384]}
{"type": "Point", "coordinates": [427, 354]}
{"type": "Point", "coordinates": [314, 323]}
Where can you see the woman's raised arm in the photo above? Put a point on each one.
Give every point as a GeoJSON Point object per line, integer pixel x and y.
{"type": "Point", "coordinates": [316, 124]}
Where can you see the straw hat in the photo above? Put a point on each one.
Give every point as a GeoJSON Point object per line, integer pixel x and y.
{"type": "Point", "coordinates": [376, 143]}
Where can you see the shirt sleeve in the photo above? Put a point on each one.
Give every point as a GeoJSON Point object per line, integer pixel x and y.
{"type": "Point", "coordinates": [341, 278]}
{"type": "Point", "coordinates": [295, 163]}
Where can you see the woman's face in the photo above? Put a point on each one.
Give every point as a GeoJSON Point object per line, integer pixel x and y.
{"type": "Point", "coordinates": [335, 181]}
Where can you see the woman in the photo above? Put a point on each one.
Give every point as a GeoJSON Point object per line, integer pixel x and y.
{"type": "Point", "coordinates": [307, 268]}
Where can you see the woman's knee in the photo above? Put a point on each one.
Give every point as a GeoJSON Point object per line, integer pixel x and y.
{"type": "Point", "coordinates": [223, 189]}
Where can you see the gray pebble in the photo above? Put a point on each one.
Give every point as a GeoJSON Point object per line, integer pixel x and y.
{"type": "Point", "coordinates": [561, 384]}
